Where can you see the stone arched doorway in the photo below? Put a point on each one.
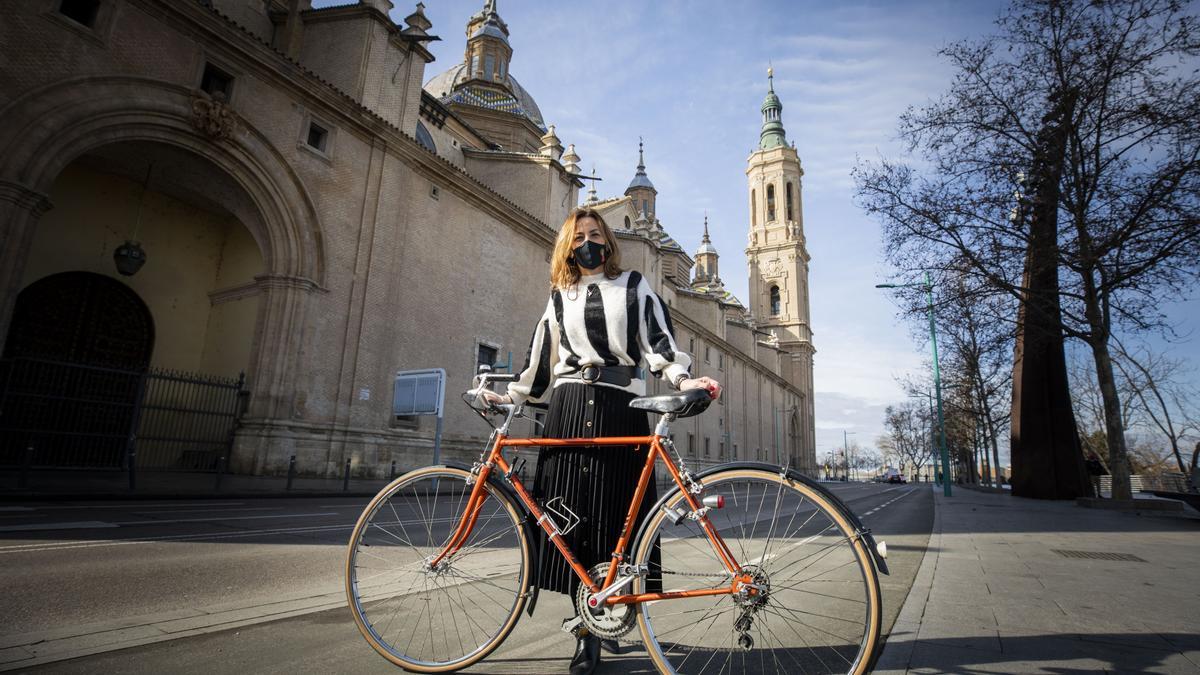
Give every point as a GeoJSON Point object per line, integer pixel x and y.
{"type": "Point", "coordinates": [72, 369]}
{"type": "Point", "coordinates": [81, 317]}
{"type": "Point", "coordinates": [120, 122]}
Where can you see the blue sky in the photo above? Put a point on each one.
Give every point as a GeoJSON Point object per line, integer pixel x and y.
{"type": "Point", "coordinates": [690, 76]}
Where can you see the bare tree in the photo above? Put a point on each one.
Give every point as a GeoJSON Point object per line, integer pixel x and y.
{"type": "Point", "coordinates": [907, 436]}
{"type": "Point", "coordinates": [1164, 395]}
{"type": "Point", "coordinates": [1128, 234]}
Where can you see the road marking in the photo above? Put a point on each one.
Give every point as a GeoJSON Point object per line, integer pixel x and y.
{"type": "Point", "coordinates": [887, 503]}
{"type": "Point", "coordinates": [58, 546]}
{"type": "Point", "coordinates": [127, 505]}
{"type": "Point", "coordinates": [135, 523]}
{"type": "Point", "coordinates": [33, 527]}
{"type": "Point", "coordinates": [97, 524]}
{"type": "Point", "coordinates": [207, 536]}
{"type": "Point", "coordinates": [245, 508]}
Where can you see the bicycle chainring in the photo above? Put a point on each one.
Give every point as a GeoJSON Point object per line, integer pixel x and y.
{"type": "Point", "coordinates": [609, 622]}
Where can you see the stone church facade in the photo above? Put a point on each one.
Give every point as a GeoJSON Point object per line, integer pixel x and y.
{"type": "Point", "coordinates": [320, 218]}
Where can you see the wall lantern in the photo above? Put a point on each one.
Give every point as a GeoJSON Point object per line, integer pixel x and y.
{"type": "Point", "coordinates": [129, 257]}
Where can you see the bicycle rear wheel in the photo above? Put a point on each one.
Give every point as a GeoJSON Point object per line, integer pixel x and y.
{"type": "Point", "coordinates": [436, 620]}
{"type": "Point", "coordinates": [819, 607]}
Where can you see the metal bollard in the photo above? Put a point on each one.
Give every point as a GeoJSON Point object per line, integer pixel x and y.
{"type": "Point", "coordinates": [392, 475]}
{"type": "Point", "coordinates": [26, 463]}
{"type": "Point", "coordinates": [291, 471]}
{"type": "Point", "coordinates": [346, 477]}
{"type": "Point", "coordinates": [220, 472]}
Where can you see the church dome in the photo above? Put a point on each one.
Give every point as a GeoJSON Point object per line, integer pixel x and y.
{"type": "Point", "coordinates": [449, 87]}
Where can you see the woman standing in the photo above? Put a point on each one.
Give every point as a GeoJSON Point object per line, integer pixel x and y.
{"type": "Point", "coordinates": [584, 358]}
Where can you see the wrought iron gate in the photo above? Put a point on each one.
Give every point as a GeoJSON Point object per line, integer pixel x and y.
{"type": "Point", "coordinates": [56, 414]}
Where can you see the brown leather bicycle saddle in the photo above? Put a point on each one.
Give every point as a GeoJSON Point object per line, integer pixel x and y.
{"type": "Point", "coordinates": [684, 404]}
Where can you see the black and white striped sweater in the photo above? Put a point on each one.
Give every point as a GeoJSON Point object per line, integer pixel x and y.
{"type": "Point", "coordinates": [601, 322]}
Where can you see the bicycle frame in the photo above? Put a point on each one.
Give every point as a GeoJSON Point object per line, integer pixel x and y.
{"type": "Point", "coordinates": [495, 461]}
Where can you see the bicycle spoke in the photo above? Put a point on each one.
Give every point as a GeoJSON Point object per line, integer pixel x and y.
{"type": "Point", "coordinates": [455, 613]}
{"type": "Point", "coordinates": [802, 552]}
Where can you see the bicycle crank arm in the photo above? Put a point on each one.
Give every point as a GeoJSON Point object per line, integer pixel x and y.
{"type": "Point", "coordinates": [598, 599]}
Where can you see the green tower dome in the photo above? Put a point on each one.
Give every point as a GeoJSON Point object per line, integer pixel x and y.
{"type": "Point", "coordinates": [773, 135]}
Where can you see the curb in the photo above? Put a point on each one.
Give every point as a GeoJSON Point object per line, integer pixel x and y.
{"type": "Point", "coordinates": [898, 649]}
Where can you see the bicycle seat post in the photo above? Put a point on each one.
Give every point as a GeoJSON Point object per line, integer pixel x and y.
{"type": "Point", "coordinates": [663, 428]}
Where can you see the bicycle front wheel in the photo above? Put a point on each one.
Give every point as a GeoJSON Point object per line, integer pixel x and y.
{"type": "Point", "coordinates": [436, 619]}
{"type": "Point", "coordinates": [816, 603]}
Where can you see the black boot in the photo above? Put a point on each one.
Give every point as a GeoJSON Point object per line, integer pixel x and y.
{"type": "Point", "coordinates": [587, 655]}
{"type": "Point", "coordinates": [610, 646]}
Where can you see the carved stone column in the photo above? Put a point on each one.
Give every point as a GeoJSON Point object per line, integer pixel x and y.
{"type": "Point", "coordinates": [20, 210]}
{"type": "Point", "coordinates": [262, 444]}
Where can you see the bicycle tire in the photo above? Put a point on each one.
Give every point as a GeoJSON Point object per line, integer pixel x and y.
{"type": "Point", "coordinates": [822, 609]}
{"type": "Point", "coordinates": [394, 595]}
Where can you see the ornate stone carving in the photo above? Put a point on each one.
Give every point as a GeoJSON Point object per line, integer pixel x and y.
{"type": "Point", "coordinates": [212, 116]}
{"type": "Point", "coordinates": [774, 267]}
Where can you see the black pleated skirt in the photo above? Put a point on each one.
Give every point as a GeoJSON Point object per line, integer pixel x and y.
{"type": "Point", "coordinates": [596, 483]}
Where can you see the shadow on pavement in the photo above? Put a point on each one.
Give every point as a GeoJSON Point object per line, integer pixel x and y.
{"type": "Point", "coordinates": [1061, 653]}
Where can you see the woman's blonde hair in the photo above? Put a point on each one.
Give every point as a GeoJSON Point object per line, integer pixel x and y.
{"type": "Point", "coordinates": [564, 271]}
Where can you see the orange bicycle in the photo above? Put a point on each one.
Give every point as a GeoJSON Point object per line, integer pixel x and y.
{"type": "Point", "coordinates": [759, 568]}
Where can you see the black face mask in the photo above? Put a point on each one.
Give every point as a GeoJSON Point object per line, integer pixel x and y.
{"type": "Point", "coordinates": [590, 255]}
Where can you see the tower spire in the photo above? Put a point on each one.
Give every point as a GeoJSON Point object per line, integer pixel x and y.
{"type": "Point", "coordinates": [592, 198]}
{"type": "Point", "coordinates": [640, 179]}
{"type": "Point", "coordinates": [773, 135]}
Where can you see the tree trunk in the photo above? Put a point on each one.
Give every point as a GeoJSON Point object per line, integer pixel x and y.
{"type": "Point", "coordinates": [1047, 461]}
{"type": "Point", "coordinates": [1118, 461]}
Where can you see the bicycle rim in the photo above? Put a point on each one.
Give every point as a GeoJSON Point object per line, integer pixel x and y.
{"type": "Point", "coordinates": [821, 609]}
{"type": "Point", "coordinates": [445, 619]}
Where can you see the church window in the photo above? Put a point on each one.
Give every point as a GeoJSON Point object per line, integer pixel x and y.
{"type": "Point", "coordinates": [691, 445]}
{"type": "Point", "coordinates": [318, 136]}
{"type": "Point", "coordinates": [627, 226]}
{"type": "Point", "coordinates": [216, 81]}
{"type": "Point", "coordinates": [80, 11]}
{"type": "Point", "coordinates": [474, 64]}
{"type": "Point", "coordinates": [425, 138]}
{"type": "Point", "coordinates": [774, 300]}
{"type": "Point", "coordinates": [707, 353]}
{"type": "Point", "coordinates": [500, 69]}
{"type": "Point", "coordinates": [707, 452]}
{"type": "Point", "coordinates": [770, 203]}
{"type": "Point", "coordinates": [789, 202]}
{"type": "Point", "coordinates": [646, 207]}
{"type": "Point", "coordinates": [721, 450]}
{"type": "Point", "coordinates": [489, 64]}
{"type": "Point", "coordinates": [753, 208]}
{"type": "Point", "coordinates": [485, 355]}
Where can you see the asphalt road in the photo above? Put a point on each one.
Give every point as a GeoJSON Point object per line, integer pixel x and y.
{"type": "Point", "coordinates": [208, 586]}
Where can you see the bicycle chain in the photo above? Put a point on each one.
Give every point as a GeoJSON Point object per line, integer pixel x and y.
{"type": "Point", "coordinates": [623, 640]}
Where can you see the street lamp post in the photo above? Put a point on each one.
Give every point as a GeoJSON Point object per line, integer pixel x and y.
{"type": "Point", "coordinates": [846, 447]}
{"type": "Point", "coordinates": [927, 285]}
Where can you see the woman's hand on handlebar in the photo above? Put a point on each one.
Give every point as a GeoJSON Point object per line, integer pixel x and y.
{"type": "Point", "coordinates": [492, 398]}
{"type": "Point", "coordinates": [704, 382]}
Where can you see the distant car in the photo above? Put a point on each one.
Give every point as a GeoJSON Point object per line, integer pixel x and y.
{"type": "Point", "coordinates": [879, 479]}
{"type": "Point", "coordinates": [895, 478]}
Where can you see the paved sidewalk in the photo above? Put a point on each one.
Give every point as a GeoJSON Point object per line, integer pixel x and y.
{"type": "Point", "coordinates": [1013, 585]}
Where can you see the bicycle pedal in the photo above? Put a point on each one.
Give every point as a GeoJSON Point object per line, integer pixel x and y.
{"type": "Point", "coordinates": [572, 625]}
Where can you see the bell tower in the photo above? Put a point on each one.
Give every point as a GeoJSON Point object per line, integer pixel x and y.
{"type": "Point", "coordinates": [776, 252]}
